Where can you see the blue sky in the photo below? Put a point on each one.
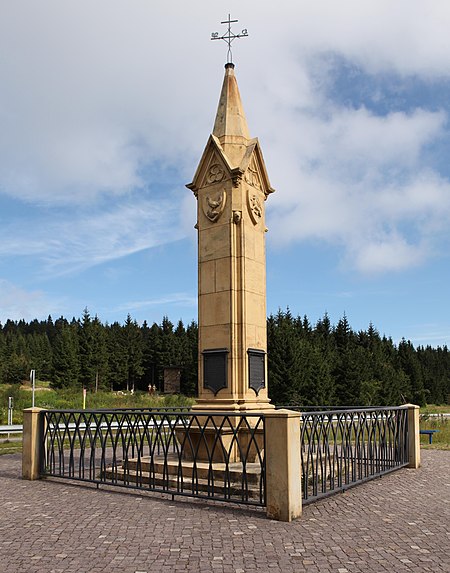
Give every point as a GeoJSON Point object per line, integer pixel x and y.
{"type": "Point", "coordinates": [105, 108]}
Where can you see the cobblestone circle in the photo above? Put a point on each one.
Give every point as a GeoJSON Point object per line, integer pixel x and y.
{"type": "Point", "coordinates": [399, 523]}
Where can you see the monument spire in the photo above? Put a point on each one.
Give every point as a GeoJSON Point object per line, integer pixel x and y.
{"type": "Point", "coordinates": [231, 186]}
{"type": "Point", "coordinates": [230, 126]}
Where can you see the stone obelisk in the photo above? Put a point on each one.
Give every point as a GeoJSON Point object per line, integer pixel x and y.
{"type": "Point", "coordinates": [231, 186]}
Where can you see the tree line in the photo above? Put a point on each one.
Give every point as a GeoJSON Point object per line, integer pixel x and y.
{"type": "Point", "coordinates": [321, 364]}
{"type": "Point", "coordinates": [334, 365]}
{"type": "Point", "coordinates": [86, 353]}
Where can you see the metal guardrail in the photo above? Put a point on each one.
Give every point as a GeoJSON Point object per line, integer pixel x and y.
{"type": "Point", "coordinates": [342, 448]}
{"type": "Point", "coordinates": [11, 429]}
{"type": "Point", "coordinates": [203, 454]}
{"type": "Point", "coordinates": [18, 428]}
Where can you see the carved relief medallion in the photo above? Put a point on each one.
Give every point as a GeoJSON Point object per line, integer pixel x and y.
{"type": "Point", "coordinates": [255, 207]}
{"type": "Point", "coordinates": [215, 174]}
{"type": "Point", "coordinates": [214, 204]}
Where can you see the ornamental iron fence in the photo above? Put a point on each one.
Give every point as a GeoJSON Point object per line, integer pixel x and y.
{"type": "Point", "coordinates": [223, 456]}
{"type": "Point", "coordinates": [341, 448]}
{"type": "Point", "coordinates": [209, 455]}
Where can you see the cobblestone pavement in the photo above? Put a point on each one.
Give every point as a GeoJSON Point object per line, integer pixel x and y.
{"type": "Point", "coordinates": [399, 523]}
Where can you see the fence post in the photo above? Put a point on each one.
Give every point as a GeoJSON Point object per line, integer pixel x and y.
{"type": "Point", "coordinates": [413, 436]}
{"type": "Point", "coordinates": [283, 465]}
{"type": "Point", "coordinates": [32, 451]}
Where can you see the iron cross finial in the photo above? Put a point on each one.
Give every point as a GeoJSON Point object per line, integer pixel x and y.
{"type": "Point", "coordinates": [228, 37]}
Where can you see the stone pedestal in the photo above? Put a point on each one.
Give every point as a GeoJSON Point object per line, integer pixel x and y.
{"type": "Point", "coordinates": [283, 465]}
{"type": "Point", "coordinates": [32, 449]}
{"type": "Point", "coordinates": [413, 436]}
{"type": "Point", "coordinates": [208, 444]}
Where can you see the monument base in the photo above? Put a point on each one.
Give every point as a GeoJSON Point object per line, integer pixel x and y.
{"type": "Point", "coordinates": [171, 475]}
{"type": "Point", "coordinates": [210, 444]}
{"type": "Point", "coordinates": [230, 436]}
{"type": "Point", "coordinates": [228, 405]}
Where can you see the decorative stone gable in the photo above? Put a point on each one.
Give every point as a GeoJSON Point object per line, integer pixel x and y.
{"type": "Point", "coordinates": [252, 175]}
{"type": "Point", "coordinates": [215, 171]}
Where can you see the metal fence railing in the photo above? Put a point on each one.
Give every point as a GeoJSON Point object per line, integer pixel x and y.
{"type": "Point", "coordinates": [217, 455]}
{"type": "Point", "coordinates": [174, 451]}
{"type": "Point", "coordinates": [340, 448]}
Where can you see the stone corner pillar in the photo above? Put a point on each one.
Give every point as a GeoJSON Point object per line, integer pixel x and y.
{"type": "Point", "coordinates": [283, 465]}
{"type": "Point", "coordinates": [413, 436]}
{"type": "Point", "coordinates": [32, 448]}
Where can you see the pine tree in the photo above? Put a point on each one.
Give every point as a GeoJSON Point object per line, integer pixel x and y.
{"type": "Point", "coordinates": [150, 337]}
{"type": "Point", "coordinates": [410, 365]}
{"type": "Point", "coordinates": [436, 373]}
{"type": "Point", "coordinates": [349, 368]}
{"type": "Point", "coordinates": [17, 369]}
{"type": "Point", "coordinates": [40, 353]}
{"type": "Point", "coordinates": [189, 378]}
{"type": "Point", "coordinates": [2, 354]}
{"type": "Point", "coordinates": [88, 368]}
{"type": "Point", "coordinates": [117, 357]}
{"type": "Point", "coordinates": [284, 362]}
{"type": "Point", "coordinates": [66, 363]}
{"type": "Point", "coordinates": [134, 352]}
{"type": "Point", "coordinates": [166, 352]}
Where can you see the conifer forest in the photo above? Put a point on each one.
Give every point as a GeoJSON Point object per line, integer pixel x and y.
{"type": "Point", "coordinates": [309, 365]}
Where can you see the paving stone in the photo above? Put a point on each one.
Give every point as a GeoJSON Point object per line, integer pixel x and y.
{"type": "Point", "coordinates": [395, 524]}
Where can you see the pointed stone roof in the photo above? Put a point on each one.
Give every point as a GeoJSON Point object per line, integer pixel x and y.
{"type": "Point", "coordinates": [230, 126]}
{"type": "Point", "coordinates": [230, 142]}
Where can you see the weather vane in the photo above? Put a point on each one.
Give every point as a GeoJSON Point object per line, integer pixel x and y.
{"type": "Point", "coordinates": [228, 37]}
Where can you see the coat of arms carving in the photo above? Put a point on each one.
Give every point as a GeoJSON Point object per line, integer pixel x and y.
{"type": "Point", "coordinates": [214, 204]}
{"type": "Point", "coordinates": [255, 207]}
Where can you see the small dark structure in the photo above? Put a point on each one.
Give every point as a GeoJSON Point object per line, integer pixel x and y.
{"type": "Point", "coordinates": [172, 380]}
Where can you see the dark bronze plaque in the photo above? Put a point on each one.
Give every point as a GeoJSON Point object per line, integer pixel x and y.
{"type": "Point", "coordinates": [256, 369]}
{"type": "Point", "coordinates": [215, 369]}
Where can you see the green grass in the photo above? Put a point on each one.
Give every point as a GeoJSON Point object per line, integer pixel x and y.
{"type": "Point", "coordinates": [441, 439]}
{"type": "Point", "coordinates": [8, 447]}
{"type": "Point", "coordinates": [435, 409]}
{"type": "Point", "coordinates": [72, 399]}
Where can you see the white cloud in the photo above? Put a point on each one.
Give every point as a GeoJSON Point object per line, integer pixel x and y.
{"type": "Point", "coordinates": [407, 36]}
{"type": "Point", "coordinates": [358, 182]}
{"type": "Point", "coordinates": [83, 239]}
{"type": "Point", "coordinates": [96, 97]}
{"type": "Point", "coordinates": [425, 199]}
{"type": "Point", "coordinates": [387, 253]}
{"type": "Point", "coordinates": [175, 299]}
{"type": "Point", "coordinates": [17, 303]}
{"type": "Point", "coordinates": [88, 99]}
{"type": "Point", "coordinates": [91, 92]}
